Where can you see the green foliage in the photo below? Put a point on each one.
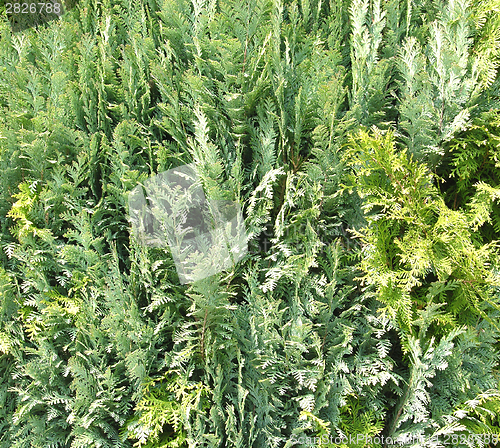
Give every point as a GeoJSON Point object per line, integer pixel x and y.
{"type": "Point", "coordinates": [164, 412]}
{"type": "Point", "coordinates": [472, 156]}
{"type": "Point", "coordinates": [440, 82]}
{"type": "Point", "coordinates": [368, 300]}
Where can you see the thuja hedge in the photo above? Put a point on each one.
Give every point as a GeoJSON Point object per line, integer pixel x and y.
{"type": "Point", "coordinates": [361, 141]}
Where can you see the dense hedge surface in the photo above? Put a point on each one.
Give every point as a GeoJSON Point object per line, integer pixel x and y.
{"type": "Point", "coordinates": [361, 140]}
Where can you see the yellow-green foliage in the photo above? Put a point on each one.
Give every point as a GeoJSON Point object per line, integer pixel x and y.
{"type": "Point", "coordinates": [415, 249]}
